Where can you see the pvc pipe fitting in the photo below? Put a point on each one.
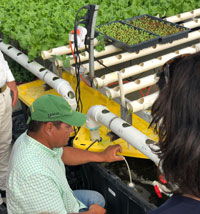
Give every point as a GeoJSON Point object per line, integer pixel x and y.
{"type": "Point", "coordinates": [101, 114]}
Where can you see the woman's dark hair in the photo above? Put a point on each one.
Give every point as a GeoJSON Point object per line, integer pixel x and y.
{"type": "Point", "coordinates": [176, 116]}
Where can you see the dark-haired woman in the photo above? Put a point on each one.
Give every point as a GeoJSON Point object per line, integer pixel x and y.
{"type": "Point", "coordinates": [176, 117]}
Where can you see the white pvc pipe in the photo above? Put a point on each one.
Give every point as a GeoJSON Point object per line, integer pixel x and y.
{"type": "Point", "coordinates": [142, 67]}
{"type": "Point", "coordinates": [183, 16]}
{"type": "Point", "coordinates": [121, 90]}
{"type": "Point", "coordinates": [85, 55]}
{"type": "Point", "coordinates": [192, 24]}
{"type": "Point", "coordinates": [132, 86]}
{"type": "Point", "coordinates": [124, 57]}
{"type": "Point", "coordinates": [60, 85]}
{"type": "Point", "coordinates": [121, 128]}
{"type": "Point", "coordinates": [60, 51]}
{"type": "Point", "coordinates": [56, 51]}
{"type": "Point", "coordinates": [142, 103]}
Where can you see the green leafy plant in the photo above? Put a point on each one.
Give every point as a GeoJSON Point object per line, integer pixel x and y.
{"type": "Point", "coordinates": [65, 59]}
{"type": "Point", "coordinates": [20, 73]}
{"type": "Point", "coordinates": [45, 24]}
{"type": "Point", "coordinates": [101, 44]}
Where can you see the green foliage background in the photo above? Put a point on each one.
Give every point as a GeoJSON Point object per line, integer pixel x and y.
{"type": "Point", "coordinates": [43, 24]}
{"type": "Point", "coordinates": [21, 74]}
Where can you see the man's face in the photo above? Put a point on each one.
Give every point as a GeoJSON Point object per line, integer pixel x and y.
{"type": "Point", "coordinates": [61, 135]}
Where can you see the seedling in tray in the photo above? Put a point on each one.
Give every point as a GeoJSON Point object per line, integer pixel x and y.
{"type": "Point", "coordinates": [124, 33]}
{"type": "Point", "coordinates": [155, 26]}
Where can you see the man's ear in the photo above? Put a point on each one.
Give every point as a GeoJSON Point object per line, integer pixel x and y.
{"type": "Point", "coordinates": [48, 128]}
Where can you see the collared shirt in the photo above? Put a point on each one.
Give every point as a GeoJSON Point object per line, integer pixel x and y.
{"type": "Point", "coordinates": [5, 72]}
{"type": "Point", "coordinates": [37, 181]}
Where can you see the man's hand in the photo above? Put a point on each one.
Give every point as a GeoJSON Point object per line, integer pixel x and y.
{"type": "Point", "coordinates": [74, 156]}
{"type": "Point", "coordinates": [13, 88]}
{"type": "Point", "coordinates": [96, 209]}
{"type": "Point", "coordinates": [110, 153]}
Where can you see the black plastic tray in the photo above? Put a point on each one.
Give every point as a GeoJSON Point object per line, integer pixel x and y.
{"type": "Point", "coordinates": [126, 47]}
{"type": "Point", "coordinates": [164, 39]}
{"type": "Point", "coordinates": [120, 199]}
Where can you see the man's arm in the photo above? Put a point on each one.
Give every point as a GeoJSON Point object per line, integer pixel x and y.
{"type": "Point", "coordinates": [13, 88]}
{"type": "Point", "coordinates": [73, 156]}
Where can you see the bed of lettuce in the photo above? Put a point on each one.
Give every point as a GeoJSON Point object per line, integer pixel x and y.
{"type": "Point", "coordinates": [38, 25]}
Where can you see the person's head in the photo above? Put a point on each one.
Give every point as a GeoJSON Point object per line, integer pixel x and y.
{"type": "Point", "coordinates": [176, 116]}
{"type": "Point", "coordinates": [51, 119]}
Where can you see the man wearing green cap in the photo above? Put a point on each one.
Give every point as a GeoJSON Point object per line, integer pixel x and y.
{"type": "Point", "coordinates": [36, 181]}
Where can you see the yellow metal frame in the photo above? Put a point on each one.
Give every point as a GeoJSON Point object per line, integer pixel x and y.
{"type": "Point", "coordinates": [30, 91]}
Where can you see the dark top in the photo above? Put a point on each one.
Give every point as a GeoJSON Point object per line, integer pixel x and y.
{"type": "Point", "coordinates": [178, 205]}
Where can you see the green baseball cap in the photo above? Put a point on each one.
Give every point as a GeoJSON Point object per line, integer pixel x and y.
{"type": "Point", "coordinates": [55, 108]}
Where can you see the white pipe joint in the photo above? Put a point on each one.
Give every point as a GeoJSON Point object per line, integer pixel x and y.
{"type": "Point", "coordinates": [92, 123]}
{"type": "Point", "coordinates": [62, 87]}
{"type": "Point", "coordinates": [124, 130]}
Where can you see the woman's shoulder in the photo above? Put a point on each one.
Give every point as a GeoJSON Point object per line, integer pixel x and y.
{"type": "Point", "coordinates": [178, 204]}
